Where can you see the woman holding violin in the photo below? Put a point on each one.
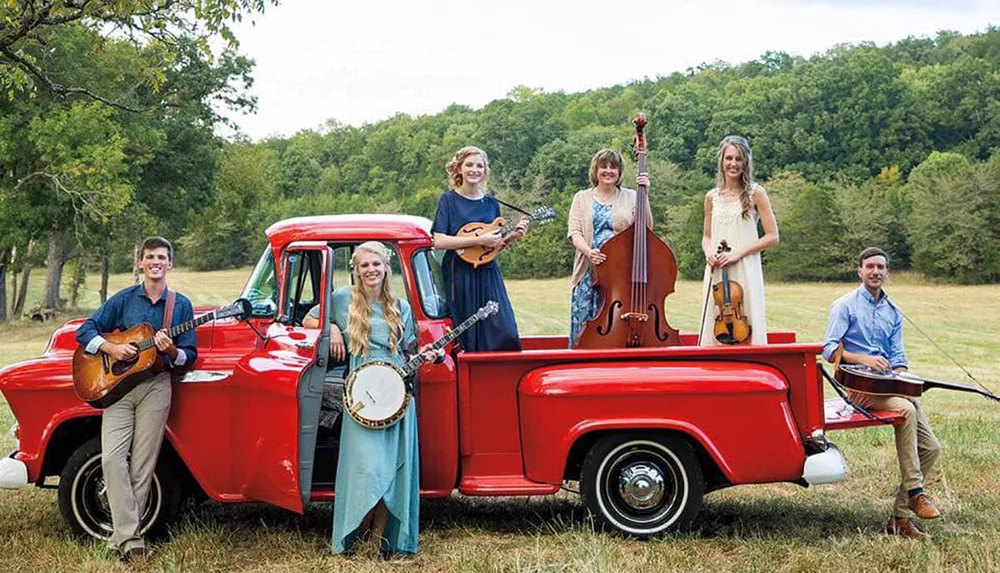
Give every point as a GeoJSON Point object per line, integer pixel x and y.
{"type": "Point", "coordinates": [597, 214]}
{"type": "Point", "coordinates": [469, 287]}
{"type": "Point", "coordinates": [733, 310]}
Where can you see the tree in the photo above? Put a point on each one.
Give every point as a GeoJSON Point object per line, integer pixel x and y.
{"type": "Point", "coordinates": [955, 218]}
{"type": "Point", "coordinates": [156, 28]}
{"type": "Point", "coordinates": [811, 246]}
{"type": "Point", "coordinates": [229, 232]}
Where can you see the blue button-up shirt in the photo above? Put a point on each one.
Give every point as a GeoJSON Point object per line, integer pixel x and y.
{"type": "Point", "coordinates": [866, 327]}
{"type": "Point", "coordinates": [131, 306]}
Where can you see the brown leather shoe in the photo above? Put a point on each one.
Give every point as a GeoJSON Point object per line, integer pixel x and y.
{"type": "Point", "coordinates": [135, 556]}
{"type": "Point", "coordinates": [922, 505]}
{"type": "Point", "coordinates": [906, 527]}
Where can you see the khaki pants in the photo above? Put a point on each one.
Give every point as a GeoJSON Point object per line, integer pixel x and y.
{"type": "Point", "coordinates": [916, 446]}
{"type": "Point", "coordinates": [133, 425]}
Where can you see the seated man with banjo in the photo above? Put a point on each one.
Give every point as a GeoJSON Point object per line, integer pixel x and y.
{"type": "Point", "coordinates": [865, 330]}
{"type": "Point", "coordinates": [378, 466]}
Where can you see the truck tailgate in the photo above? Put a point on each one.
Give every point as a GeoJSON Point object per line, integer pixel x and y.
{"type": "Point", "coordinates": [841, 416]}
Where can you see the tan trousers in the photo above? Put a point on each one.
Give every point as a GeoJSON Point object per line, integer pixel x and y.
{"type": "Point", "coordinates": [916, 446]}
{"type": "Point", "coordinates": [133, 425]}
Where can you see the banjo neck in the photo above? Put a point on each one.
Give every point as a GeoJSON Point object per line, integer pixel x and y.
{"type": "Point", "coordinates": [417, 361]}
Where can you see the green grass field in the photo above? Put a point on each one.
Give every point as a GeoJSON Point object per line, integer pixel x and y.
{"type": "Point", "coordinates": [750, 528]}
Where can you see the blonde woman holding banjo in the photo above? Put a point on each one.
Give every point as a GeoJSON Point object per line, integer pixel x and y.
{"type": "Point", "coordinates": [378, 470]}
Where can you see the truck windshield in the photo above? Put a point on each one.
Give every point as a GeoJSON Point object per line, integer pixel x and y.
{"type": "Point", "coordinates": [262, 289]}
{"type": "Point", "coordinates": [430, 283]}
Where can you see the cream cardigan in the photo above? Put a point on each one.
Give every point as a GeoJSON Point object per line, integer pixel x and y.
{"type": "Point", "coordinates": [581, 222]}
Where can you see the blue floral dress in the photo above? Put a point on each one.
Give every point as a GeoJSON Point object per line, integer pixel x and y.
{"type": "Point", "coordinates": [585, 304]}
{"type": "Point", "coordinates": [469, 288]}
{"type": "Point", "coordinates": [377, 464]}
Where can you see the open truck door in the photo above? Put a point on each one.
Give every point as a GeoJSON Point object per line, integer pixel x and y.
{"type": "Point", "coordinates": [279, 386]}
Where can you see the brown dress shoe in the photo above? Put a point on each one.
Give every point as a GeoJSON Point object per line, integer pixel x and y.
{"type": "Point", "coordinates": [906, 527]}
{"type": "Point", "coordinates": [135, 556]}
{"type": "Point", "coordinates": [922, 505]}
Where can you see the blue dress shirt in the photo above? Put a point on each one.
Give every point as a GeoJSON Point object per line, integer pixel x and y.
{"type": "Point", "coordinates": [866, 327]}
{"type": "Point", "coordinates": [131, 306]}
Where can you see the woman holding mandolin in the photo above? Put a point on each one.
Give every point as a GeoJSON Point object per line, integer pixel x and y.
{"type": "Point", "coordinates": [732, 250]}
{"type": "Point", "coordinates": [378, 470]}
{"type": "Point", "coordinates": [596, 215]}
{"type": "Point", "coordinates": [469, 287]}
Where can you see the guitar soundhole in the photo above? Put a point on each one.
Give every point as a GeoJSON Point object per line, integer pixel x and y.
{"type": "Point", "coordinates": [123, 366]}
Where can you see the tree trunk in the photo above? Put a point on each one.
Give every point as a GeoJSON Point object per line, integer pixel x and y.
{"type": "Point", "coordinates": [105, 271]}
{"type": "Point", "coordinates": [79, 276]}
{"type": "Point", "coordinates": [13, 295]}
{"type": "Point", "coordinates": [54, 262]}
{"type": "Point", "coordinates": [25, 275]}
{"type": "Point", "coordinates": [3, 285]}
{"type": "Point", "coordinates": [135, 264]}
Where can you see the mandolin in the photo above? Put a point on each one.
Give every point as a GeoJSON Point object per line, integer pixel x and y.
{"type": "Point", "coordinates": [867, 380]}
{"type": "Point", "coordinates": [100, 380]}
{"type": "Point", "coordinates": [477, 255]}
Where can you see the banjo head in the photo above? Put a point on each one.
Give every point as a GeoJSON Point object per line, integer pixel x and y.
{"type": "Point", "coordinates": [375, 395]}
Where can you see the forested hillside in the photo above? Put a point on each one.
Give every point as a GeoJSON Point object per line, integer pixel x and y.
{"type": "Point", "coordinates": [896, 146]}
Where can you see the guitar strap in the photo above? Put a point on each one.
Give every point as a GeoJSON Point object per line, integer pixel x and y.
{"type": "Point", "coordinates": [168, 310]}
{"type": "Point", "coordinates": [168, 317]}
{"type": "Point", "coordinates": [505, 204]}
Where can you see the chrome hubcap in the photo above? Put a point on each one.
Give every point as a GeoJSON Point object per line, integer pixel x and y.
{"type": "Point", "coordinates": [641, 485]}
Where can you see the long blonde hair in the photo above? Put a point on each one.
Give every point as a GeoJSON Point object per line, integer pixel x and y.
{"type": "Point", "coordinates": [454, 167]}
{"type": "Point", "coordinates": [359, 327]}
{"type": "Point", "coordinates": [746, 178]}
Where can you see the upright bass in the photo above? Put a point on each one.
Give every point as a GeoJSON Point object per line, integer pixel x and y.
{"type": "Point", "coordinates": [639, 273]}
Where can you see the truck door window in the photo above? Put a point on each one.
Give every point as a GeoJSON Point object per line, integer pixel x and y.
{"type": "Point", "coordinates": [301, 286]}
{"type": "Point", "coordinates": [430, 283]}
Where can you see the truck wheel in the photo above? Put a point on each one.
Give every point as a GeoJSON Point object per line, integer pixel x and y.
{"type": "Point", "coordinates": [641, 486]}
{"type": "Point", "coordinates": [83, 499]}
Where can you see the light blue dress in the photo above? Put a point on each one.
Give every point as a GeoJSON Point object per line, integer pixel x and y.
{"type": "Point", "coordinates": [377, 464]}
{"type": "Point", "coordinates": [584, 303]}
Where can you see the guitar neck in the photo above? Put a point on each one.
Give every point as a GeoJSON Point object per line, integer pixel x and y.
{"type": "Point", "coordinates": [179, 329]}
{"type": "Point", "coordinates": [418, 360]}
{"type": "Point", "coordinates": [929, 383]}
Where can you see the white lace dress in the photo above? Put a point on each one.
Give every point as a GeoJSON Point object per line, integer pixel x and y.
{"type": "Point", "coordinates": [729, 224]}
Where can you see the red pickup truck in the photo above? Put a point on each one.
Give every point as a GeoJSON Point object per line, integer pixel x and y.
{"type": "Point", "coordinates": [647, 432]}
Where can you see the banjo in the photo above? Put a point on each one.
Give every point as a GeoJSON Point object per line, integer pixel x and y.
{"type": "Point", "coordinates": [377, 394]}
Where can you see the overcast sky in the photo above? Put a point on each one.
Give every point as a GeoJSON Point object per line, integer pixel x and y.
{"type": "Point", "coordinates": [360, 62]}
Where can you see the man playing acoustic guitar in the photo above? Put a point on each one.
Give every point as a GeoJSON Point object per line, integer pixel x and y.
{"type": "Point", "coordinates": [868, 329]}
{"type": "Point", "coordinates": [135, 423]}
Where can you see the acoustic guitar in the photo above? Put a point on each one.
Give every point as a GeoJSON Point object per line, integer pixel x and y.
{"type": "Point", "coordinates": [100, 380]}
{"type": "Point", "coordinates": [477, 255]}
{"type": "Point", "coordinates": [868, 380]}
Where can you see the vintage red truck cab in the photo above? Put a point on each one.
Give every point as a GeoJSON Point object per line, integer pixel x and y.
{"type": "Point", "coordinates": [646, 432]}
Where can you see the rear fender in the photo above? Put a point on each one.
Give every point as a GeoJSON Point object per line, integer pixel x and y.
{"type": "Point", "coordinates": [738, 412]}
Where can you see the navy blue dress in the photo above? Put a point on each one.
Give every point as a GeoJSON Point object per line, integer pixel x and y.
{"type": "Point", "coordinates": [469, 288]}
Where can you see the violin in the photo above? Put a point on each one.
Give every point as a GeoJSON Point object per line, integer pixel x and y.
{"type": "Point", "coordinates": [731, 326]}
{"type": "Point", "coordinates": [631, 290]}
